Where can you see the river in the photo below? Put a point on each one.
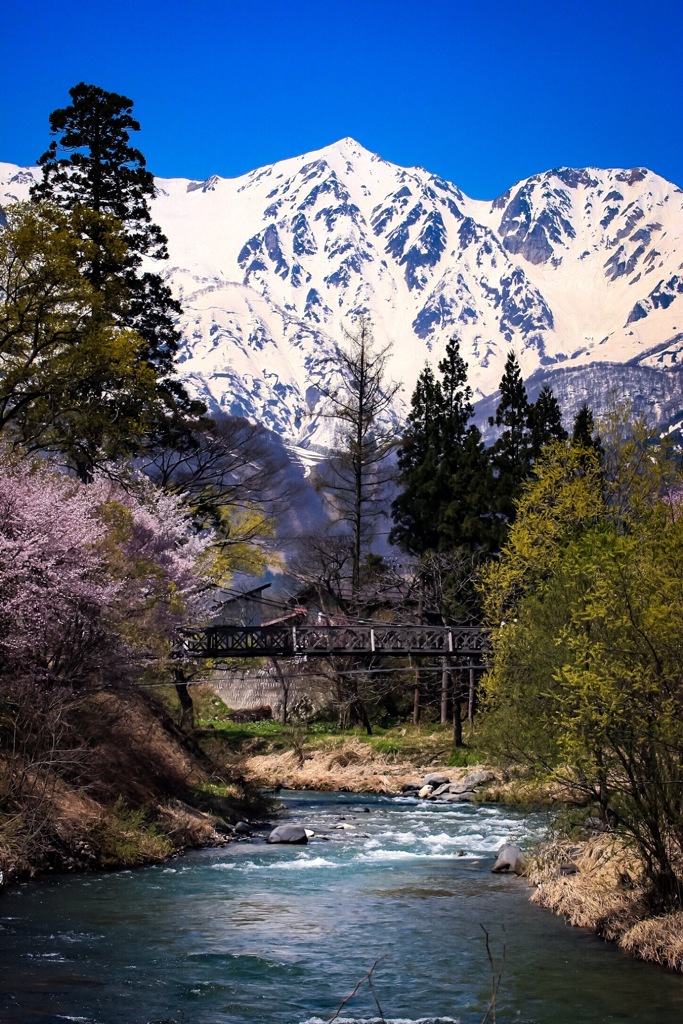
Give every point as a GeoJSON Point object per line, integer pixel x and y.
{"type": "Point", "coordinates": [281, 934]}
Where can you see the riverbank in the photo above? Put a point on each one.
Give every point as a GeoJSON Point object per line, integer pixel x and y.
{"type": "Point", "coordinates": [138, 790]}
{"type": "Point", "coordinates": [127, 788]}
{"type": "Point", "coordinates": [350, 767]}
{"type": "Point", "coordinates": [600, 885]}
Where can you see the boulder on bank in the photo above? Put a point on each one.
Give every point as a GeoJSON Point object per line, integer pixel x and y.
{"type": "Point", "coordinates": [440, 790]}
{"type": "Point", "coordinates": [437, 786]}
{"type": "Point", "coordinates": [475, 779]}
{"type": "Point", "coordinates": [288, 834]}
{"type": "Point", "coordinates": [435, 779]}
{"type": "Point", "coordinates": [510, 858]}
{"type": "Point", "coordinates": [457, 798]}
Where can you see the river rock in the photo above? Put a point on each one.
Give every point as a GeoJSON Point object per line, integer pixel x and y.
{"type": "Point", "coordinates": [243, 828]}
{"type": "Point", "coordinates": [457, 798]}
{"type": "Point", "coordinates": [288, 834]}
{"type": "Point", "coordinates": [510, 858]}
{"type": "Point", "coordinates": [570, 868]}
{"type": "Point", "coordinates": [440, 789]}
{"type": "Point", "coordinates": [410, 787]}
{"type": "Point", "coordinates": [478, 778]}
{"type": "Point", "coordinates": [435, 779]}
{"type": "Point", "coordinates": [425, 792]}
{"type": "Point", "coordinates": [459, 787]}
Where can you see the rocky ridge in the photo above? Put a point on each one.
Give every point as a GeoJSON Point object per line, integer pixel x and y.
{"type": "Point", "coordinates": [579, 270]}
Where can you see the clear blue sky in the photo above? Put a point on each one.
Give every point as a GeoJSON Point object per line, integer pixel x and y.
{"type": "Point", "coordinates": [483, 92]}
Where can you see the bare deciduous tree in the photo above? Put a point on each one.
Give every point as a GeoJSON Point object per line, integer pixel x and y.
{"type": "Point", "coordinates": [359, 397]}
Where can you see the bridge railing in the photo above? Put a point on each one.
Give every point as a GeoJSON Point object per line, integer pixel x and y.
{"type": "Point", "coordinates": [322, 641]}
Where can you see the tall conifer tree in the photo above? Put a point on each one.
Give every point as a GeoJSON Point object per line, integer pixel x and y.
{"type": "Point", "coordinates": [91, 164]}
{"type": "Point", "coordinates": [583, 431]}
{"type": "Point", "coordinates": [545, 421]}
{"type": "Point", "coordinates": [511, 454]}
{"type": "Point", "coordinates": [443, 469]}
{"type": "Point", "coordinates": [415, 522]}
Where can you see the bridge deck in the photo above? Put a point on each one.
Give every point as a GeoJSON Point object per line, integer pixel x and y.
{"type": "Point", "coordinates": [388, 640]}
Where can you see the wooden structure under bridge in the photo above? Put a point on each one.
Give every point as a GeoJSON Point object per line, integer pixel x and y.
{"type": "Point", "coordinates": [463, 646]}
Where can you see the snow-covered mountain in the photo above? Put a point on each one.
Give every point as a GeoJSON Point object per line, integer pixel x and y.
{"type": "Point", "coordinates": [580, 271]}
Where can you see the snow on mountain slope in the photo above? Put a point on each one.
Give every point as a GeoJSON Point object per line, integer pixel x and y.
{"type": "Point", "coordinates": [575, 269]}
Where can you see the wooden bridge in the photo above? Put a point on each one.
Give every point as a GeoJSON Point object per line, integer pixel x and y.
{"type": "Point", "coordinates": [465, 645]}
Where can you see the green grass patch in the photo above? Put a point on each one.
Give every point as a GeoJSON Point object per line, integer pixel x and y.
{"type": "Point", "coordinates": [421, 744]}
{"type": "Point", "coordinates": [464, 757]}
{"type": "Point", "coordinates": [237, 734]}
{"type": "Point", "coordinates": [126, 837]}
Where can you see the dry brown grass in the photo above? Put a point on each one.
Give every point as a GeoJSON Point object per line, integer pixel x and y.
{"type": "Point", "coordinates": [608, 895]}
{"type": "Point", "coordinates": [352, 767]}
{"type": "Point", "coordinates": [186, 826]}
{"type": "Point", "coordinates": [125, 801]}
{"type": "Point", "coordinates": [659, 939]}
{"type": "Point", "coordinates": [521, 790]}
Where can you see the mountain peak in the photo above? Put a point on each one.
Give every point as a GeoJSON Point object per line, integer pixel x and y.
{"type": "Point", "coordinates": [348, 149]}
{"type": "Point", "coordinates": [575, 268]}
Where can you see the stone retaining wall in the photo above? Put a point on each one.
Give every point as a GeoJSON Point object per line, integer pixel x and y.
{"type": "Point", "coordinates": [242, 690]}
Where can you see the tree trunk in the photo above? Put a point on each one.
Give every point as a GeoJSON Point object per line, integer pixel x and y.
{"type": "Point", "coordinates": [457, 723]}
{"type": "Point", "coordinates": [416, 697]}
{"type": "Point", "coordinates": [186, 705]}
{"type": "Point", "coordinates": [457, 712]}
{"type": "Point", "coordinates": [360, 714]}
{"type": "Point", "coordinates": [445, 680]}
{"type": "Point", "coordinates": [284, 690]}
{"type": "Point", "coordinates": [470, 699]}
{"type": "Point", "coordinates": [359, 467]}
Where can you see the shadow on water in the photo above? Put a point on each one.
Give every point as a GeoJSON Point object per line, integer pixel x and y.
{"type": "Point", "coordinates": [280, 935]}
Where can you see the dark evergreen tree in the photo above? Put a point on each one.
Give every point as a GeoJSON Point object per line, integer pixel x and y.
{"type": "Point", "coordinates": [545, 421]}
{"type": "Point", "coordinates": [443, 468]}
{"type": "Point", "coordinates": [457, 408]}
{"type": "Point", "coordinates": [584, 428]}
{"type": "Point", "coordinates": [91, 164]}
{"type": "Point", "coordinates": [466, 518]}
{"type": "Point", "coordinates": [584, 433]}
{"type": "Point", "coordinates": [511, 454]}
{"type": "Point", "coordinates": [415, 510]}
{"type": "Point", "coordinates": [462, 478]}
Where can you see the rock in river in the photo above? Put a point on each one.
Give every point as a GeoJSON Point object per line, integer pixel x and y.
{"type": "Point", "coordinates": [510, 858]}
{"type": "Point", "coordinates": [288, 834]}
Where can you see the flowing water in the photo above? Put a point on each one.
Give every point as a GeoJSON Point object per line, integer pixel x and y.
{"type": "Point", "coordinates": [281, 934]}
